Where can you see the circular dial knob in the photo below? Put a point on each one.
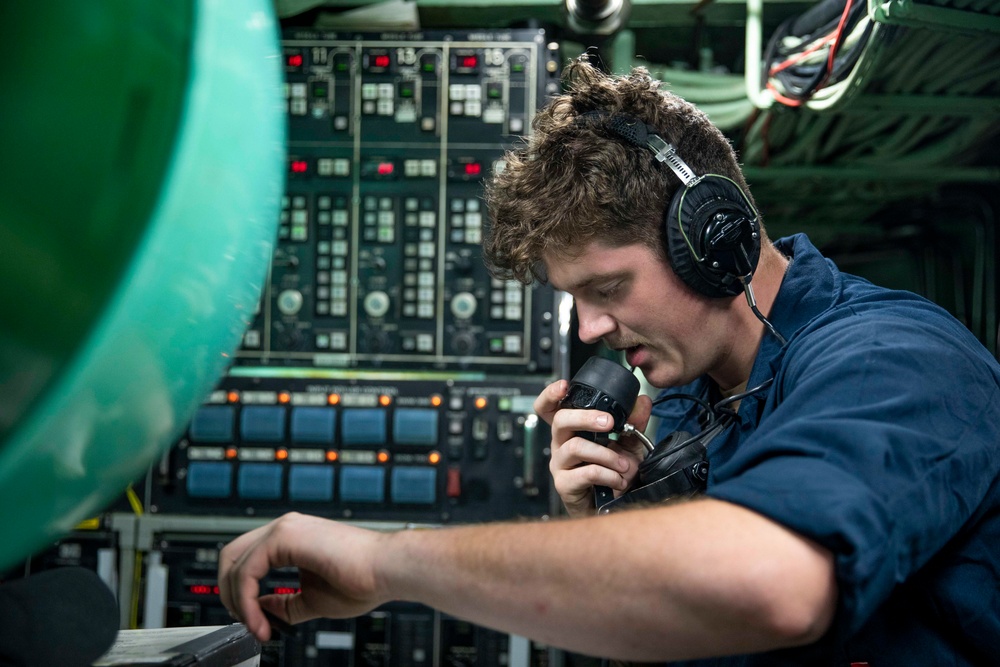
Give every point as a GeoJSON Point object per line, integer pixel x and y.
{"type": "Point", "coordinates": [290, 302]}
{"type": "Point", "coordinates": [463, 305]}
{"type": "Point", "coordinates": [376, 303]}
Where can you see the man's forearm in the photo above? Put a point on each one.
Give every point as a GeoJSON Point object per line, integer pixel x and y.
{"type": "Point", "coordinates": [688, 580]}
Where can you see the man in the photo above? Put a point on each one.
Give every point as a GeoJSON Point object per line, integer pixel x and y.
{"type": "Point", "coordinates": [851, 510]}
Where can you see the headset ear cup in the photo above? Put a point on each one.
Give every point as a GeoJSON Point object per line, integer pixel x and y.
{"type": "Point", "coordinates": [691, 218]}
{"type": "Point", "coordinates": [681, 259]}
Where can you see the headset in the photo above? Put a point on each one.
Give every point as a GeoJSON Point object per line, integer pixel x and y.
{"type": "Point", "coordinates": [711, 228]}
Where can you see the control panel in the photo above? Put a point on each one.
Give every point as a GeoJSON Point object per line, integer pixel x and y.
{"type": "Point", "coordinates": [432, 450]}
{"type": "Point", "coordinates": [386, 376]}
{"type": "Point", "coordinates": [397, 634]}
{"type": "Point", "coordinates": [379, 262]}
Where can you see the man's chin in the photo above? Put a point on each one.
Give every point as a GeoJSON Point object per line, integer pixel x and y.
{"type": "Point", "coordinates": [660, 375]}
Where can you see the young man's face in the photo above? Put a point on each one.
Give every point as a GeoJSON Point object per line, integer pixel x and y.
{"type": "Point", "coordinates": [630, 298]}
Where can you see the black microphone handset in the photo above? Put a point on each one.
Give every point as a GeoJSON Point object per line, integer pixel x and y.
{"type": "Point", "coordinates": [676, 467]}
{"type": "Point", "coordinates": [601, 384]}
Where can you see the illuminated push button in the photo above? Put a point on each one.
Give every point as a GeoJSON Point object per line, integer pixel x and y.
{"type": "Point", "coordinates": [210, 480]}
{"type": "Point", "coordinates": [260, 481]}
{"type": "Point", "coordinates": [363, 426]}
{"type": "Point", "coordinates": [310, 482]}
{"type": "Point", "coordinates": [494, 115]}
{"type": "Point", "coordinates": [290, 302]}
{"type": "Point", "coordinates": [453, 486]}
{"type": "Point", "coordinates": [463, 305]}
{"type": "Point", "coordinates": [415, 426]}
{"type": "Point", "coordinates": [362, 484]}
{"type": "Point", "coordinates": [377, 303]}
{"type": "Point", "coordinates": [213, 424]}
{"type": "Point", "coordinates": [262, 423]}
{"type": "Point", "coordinates": [313, 425]}
{"type": "Point", "coordinates": [413, 485]}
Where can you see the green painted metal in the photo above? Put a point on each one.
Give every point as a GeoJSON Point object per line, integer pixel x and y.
{"type": "Point", "coordinates": [922, 15]}
{"type": "Point", "coordinates": [876, 173]}
{"type": "Point", "coordinates": [945, 105]}
{"type": "Point", "coordinates": [141, 182]}
{"type": "Point", "coordinates": [501, 13]}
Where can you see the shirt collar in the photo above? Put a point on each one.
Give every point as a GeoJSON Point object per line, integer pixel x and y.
{"type": "Point", "coordinates": [808, 289]}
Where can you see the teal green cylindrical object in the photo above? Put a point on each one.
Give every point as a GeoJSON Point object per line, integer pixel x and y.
{"type": "Point", "coordinates": [134, 240]}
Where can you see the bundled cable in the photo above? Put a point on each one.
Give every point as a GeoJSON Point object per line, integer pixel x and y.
{"type": "Point", "coordinates": [815, 50]}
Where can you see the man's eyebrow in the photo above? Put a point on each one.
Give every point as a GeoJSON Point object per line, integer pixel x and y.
{"type": "Point", "coordinates": [590, 280]}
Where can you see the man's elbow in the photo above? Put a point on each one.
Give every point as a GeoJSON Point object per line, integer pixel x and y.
{"type": "Point", "coordinates": [801, 614]}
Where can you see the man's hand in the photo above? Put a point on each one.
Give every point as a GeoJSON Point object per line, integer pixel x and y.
{"type": "Point", "coordinates": [578, 464]}
{"type": "Point", "coordinates": [336, 571]}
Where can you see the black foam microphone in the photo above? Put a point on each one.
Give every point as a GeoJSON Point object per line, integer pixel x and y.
{"type": "Point", "coordinates": [602, 384]}
{"type": "Point", "coordinates": [66, 617]}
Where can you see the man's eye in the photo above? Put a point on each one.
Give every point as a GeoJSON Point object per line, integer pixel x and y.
{"type": "Point", "coordinates": [609, 291]}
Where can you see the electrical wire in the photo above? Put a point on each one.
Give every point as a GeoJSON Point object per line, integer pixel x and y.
{"type": "Point", "coordinates": [628, 429]}
{"type": "Point", "coordinates": [720, 414]}
{"type": "Point", "coordinates": [136, 583]}
{"type": "Point", "coordinates": [705, 405]}
{"type": "Point", "coordinates": [133, 500]}
{"type": "Point", "coordinates": [798, 66]}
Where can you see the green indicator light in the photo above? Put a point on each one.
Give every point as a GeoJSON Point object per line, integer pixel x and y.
{"type": "Point", "coordinates": [428, 67]}
{"type": "Point", "coordinates": [504, 404]}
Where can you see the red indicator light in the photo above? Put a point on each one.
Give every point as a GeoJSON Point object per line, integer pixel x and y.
{"type": "Point", "coordinates": [381, 60]}
{"type": "Point", "coordinates": [470, 61]}
{"type": "Point", "coordinates": [286, 590]}
{"type": "Point", "coordinates": [299, 166]}
{"type": "Point", "coordinates": [203, 589]}
{"type": "Point", "coordinates": [473, 169]}
{"type": "Point", "coordinates": [385, 168]}
{"type": "Point", "coordinates": [295, 60]}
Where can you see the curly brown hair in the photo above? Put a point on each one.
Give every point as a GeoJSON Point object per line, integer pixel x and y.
{"type": "Point", "coordinates": [573, 180]}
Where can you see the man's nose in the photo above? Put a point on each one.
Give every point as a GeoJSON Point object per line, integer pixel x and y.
{"type": "Point", "coordinates": [593, 324]}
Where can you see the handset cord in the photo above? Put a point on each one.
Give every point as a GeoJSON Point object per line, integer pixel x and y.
{"type": "Point", "coordinates": [721, 414]}
{"type": "Point", "coordinates": [628, 429]}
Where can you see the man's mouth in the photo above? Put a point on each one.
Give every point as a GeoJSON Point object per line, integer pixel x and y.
{"type": "Point", "coordinates": [634, 355]}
